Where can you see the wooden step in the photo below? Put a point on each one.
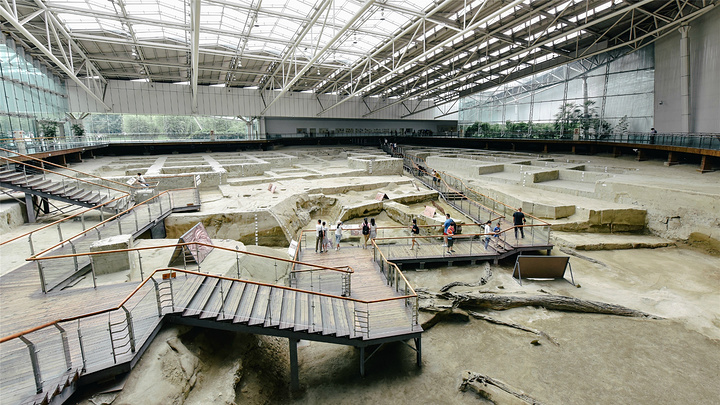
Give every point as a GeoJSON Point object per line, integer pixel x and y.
{"type": "Point", "coordinates": [287, 314]}
{"type": "Point", "coordinates": [246, 303]}
{"type": "Point", "coordinates": [86, 196]}
{"type": "Point", "coordinates": [272, 317]}
{"type": "Point", "coordinates": [349, 307]}
{"type": "Point", "coordinates": [201, 297]}
{"type": "Point", "coordinates": [302, 301]}
{"type": "Point", "coordinates": [52, 188]}
{"type": "Point", "coordinates": [12, 177]}
{"type": "Point", "coordinates": [316, 321]}
{"type": "Point", "coordinates": [38, 184]}
{"type": "Point", "coordinates": [341, 320]}
{"type": "Point", "coordinates": [67, 192]}
{"type": "Point", "coordinates": [260, 306]}
{"type": "Point", "coordinates": [212, 308]}
{"type": "Point", "coordinates": [328, 316]}
{"type": "Point", "coordinates": [231, 301]}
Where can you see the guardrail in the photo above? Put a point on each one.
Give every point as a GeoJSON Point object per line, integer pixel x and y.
{"type": "Point", "coordinates": [91, 342]}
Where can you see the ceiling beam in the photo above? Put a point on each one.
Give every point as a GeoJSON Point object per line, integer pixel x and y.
{"type": "Point", "coordinates": [67, 70]}
{"type": "Point", "coordinates": [195, 51]}
{"type": "Point", "coordinates": [319, 53]}
{"type": "Point", "coordinates": [417, 58]}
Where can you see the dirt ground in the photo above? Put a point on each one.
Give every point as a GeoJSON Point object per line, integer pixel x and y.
{"type": "Point", "coordinates": [599, 359]}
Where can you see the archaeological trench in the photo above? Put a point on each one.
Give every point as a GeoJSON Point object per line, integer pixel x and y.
{"type": "Point", "coordinates": [641, 237]}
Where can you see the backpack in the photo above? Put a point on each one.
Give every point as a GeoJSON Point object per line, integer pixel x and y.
{"type": "Point", "coordinates": [365, 229]}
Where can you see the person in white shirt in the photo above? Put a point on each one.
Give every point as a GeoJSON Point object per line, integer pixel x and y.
{"type": "Point", "coordinates": [487, 233]}
{"type": "Point", "coordinates": [139, 179]}
{"type": "Point", "coordinates": [338, 235]}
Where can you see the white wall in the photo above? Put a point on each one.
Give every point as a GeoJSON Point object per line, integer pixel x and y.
{"type": "Point", "coordinates": [170, 99]}
{"type": "Point", "coordinates": [704, 77]}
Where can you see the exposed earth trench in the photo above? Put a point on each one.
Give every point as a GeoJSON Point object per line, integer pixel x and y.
{"type": "Point", "coordinates": [548, 354]}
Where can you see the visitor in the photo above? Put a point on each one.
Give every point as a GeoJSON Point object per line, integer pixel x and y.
{"type": "Point", "coordinates": [318, 236]}
{"type": "Point", "coordinates": [487, 232]}
{"type": "Point", "coordinates": [653, 132]}
{"type": "Point", "coordinates": [414, 231]}
{"type": "Point", "coordinates": [338, 235]}
{"type": "Point", "coordinates": [519, 221]}
{"type": "Point", "coordinates": [437, 179]}
{"type": "Point", "coordinates": [447, 223]}
{"type": "Point", "coordinates": [139, 179]}
{"type": "Point", "coordinates": [496, 230]}
{"type": "Point", "coordinates": [326, 238]}
{"type": "Point", "coordinates": [373, 229]}
{"type": "Point", "coordinates": [450, 232]}
{"type": "Point", "coordinates": [365, 232]}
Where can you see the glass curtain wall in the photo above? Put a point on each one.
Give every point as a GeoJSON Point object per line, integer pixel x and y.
{"type": "Point", "coordinates": [33, 100]}
{"type": "Point", "coordinates": [117, 127]}
{"type": "Point", "coordinates": [591, 98]}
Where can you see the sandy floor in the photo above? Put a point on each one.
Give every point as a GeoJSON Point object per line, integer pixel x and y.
{"type": "Point", "coordinates": [600, 359]}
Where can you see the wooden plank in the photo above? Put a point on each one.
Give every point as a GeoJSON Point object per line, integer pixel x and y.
{"type": "Point", "coordinates": [201, 296]}
{"type": "Point", "coordinates": [349, 306]}
{"type": "Point", "coordinates": [248, 298]}
{"type": "Point", "coordinates": [212, 308]}
{"type": "Point", "coordinates": [287, 315]}
{"type": "Point", "coordinates": [232, 301]}
{"type": "Point", "coordinates": [301, 311]}
{"type": "Point", "coordinates": [272, 318]}
{"type": "Point", "coordinates": [316, 321]}
{"type": "Point", "coordinates": [328, 317]}
{"type": "Point", "coordinates": [260, 305]}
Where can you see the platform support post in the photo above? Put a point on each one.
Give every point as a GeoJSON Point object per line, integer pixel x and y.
{"type": "Point", "coordinates": [362, 361]}
{"type": "Point", "coordinates": [418, 349]}
{"type": "Point", "coordinates": [294, 376]}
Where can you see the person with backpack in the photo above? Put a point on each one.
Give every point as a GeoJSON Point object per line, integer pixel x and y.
{"type": "Point", "coordinates": [450, 233]}
{"type": "Point", "coordinates": [365, 232]}
{"type": "Point", "coordinates": [414, 231]}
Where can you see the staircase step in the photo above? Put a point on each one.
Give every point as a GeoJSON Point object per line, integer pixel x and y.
{"type": "Point", "coordinates": [287, 314]}
{"type": "Point", "coordinates": [246, 303]}
{"type": "Point", "coordinates": [341, 319]}
{"type": "Point", "coordinates": [302, 301]}
{"type": "Point", "coordinates": [201, 297]}
{"type": "Point", "coordinates": [38, 184]}
{"type": "Point", "coordinates": [232, 299]}
{"type": "Point", "coordinates": [349, 307]}
{"type": "Point", "coordinates": [12, 177]}
{"type": "Point", "coordinates": [272, 317]}
{"type": "Point", "coordinates": [328, 315]}
{"type": "Point", "coordinates": [214, 303]}
{"type": "Point", "coordinates": [83, 196]}
{"type": "Point", "coordinates": [260, 306]}
{"type": "Point", "coordinates": [316, 320]}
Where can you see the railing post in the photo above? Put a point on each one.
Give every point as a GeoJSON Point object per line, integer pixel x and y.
{"type": "Point", "coordinates": [34, 363]}
{"type": "Point", "coordinates": [74, 251]}
{"type": "Point", "coordinates": [32, 248]}
{"type": "Point", "coordinates": [157, 296]}
{"type": "Point", "coordinates": [92, 271]}
{"type": "Point", "coordinates": [149, 212]}
{"type": "Point", "coordinates": [60, 234]}
{"type": "Point", "coordinates": [237, 260]}
{"type": "Point", "coordinates": [82, 348]}
{"type": "Point", "coordinates": [142, 276]}
{"type": "Point", "coordinates": [137, 225]}
{"type": "Point", "coordinates": [131, 330]}
{"type": "Point", "coordinates": [66, 346]}
{"type": "Point", "coordinates": [119, 222]}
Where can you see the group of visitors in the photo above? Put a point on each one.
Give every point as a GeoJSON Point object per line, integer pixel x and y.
{"type": "Point", "coordinates": [323, 243]}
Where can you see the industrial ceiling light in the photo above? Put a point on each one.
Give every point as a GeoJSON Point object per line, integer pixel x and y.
{"type": "Point", "coordinates": [382, 14]}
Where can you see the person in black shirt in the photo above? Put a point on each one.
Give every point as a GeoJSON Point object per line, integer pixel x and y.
{"type": "Point", "coordinates": [519, 220]}
{"type": "Point", "coordinates": [415, 230]}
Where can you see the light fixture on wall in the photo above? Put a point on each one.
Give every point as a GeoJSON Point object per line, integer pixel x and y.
{"type": "Point", "coordinates": [661, 102]}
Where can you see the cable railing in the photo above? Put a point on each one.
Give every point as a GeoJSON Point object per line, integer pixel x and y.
{"type": "Point", "coordinates": [474, 204]}
{"type": "Point", "coordinates": [39, 357]}
{"type": "Point", "coordinates": [19, 146]}
{"type": "Point", "coordinates": [54, 272]}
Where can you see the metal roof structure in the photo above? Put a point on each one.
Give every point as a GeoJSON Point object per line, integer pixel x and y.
{"type": "Point", "coordinates": [399, 50]}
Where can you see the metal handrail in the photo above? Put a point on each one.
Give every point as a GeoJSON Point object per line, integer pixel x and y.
{"type": "Point", "coordinates": [173, 269]}
{"type": "Point", "coordinates": [108, 220]}
{"type": "Point", "coordinates": [60, 221]}
{"type": "Point", "coordinates": [396, 268]}
{"type": "Point", "coordinates": [349, 268]}
{"type": "Point", "coordinates": [63, 167]}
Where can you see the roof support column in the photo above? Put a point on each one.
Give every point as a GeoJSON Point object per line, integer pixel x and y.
{"type": "Point", "coordinates": [685, 78]}
{"type": "Point", "coordinates": [195, 51]}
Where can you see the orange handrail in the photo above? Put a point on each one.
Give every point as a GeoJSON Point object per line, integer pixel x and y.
{"type": "Point", "coordinates": [107, 220]}
{"type": "Point", "coordinates": [35, 258]}
{"type": "Point", "coordinates": [62, 167]}
{"type": "Point", "coordinates": [172, 269]}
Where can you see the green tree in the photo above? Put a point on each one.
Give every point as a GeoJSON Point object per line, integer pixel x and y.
{"type": "Point", "coordinates": [139, 124]}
